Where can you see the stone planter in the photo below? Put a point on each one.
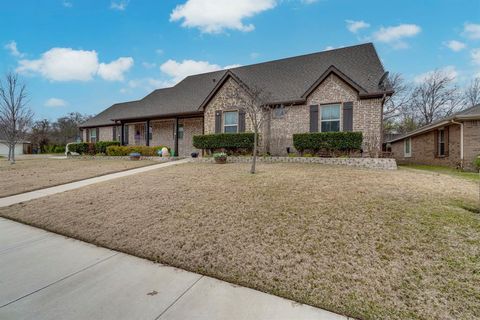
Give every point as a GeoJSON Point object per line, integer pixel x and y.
{"type": "Point", "coordinates": [221, 160]}
{"type": "Point", "coordinates": [135, 156]}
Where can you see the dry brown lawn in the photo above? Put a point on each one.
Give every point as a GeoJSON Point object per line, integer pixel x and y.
{"type": "Point", "coordinates": [368, 244]}
{"type": "Point", "coordinates": [35, 173]}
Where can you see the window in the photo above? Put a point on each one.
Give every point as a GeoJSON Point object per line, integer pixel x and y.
{"type": "Point", "coordinates": [93, 135]}
{"type": "Point", "coordinates": [330, 118]}
{"type": "Point", "coordinates": [180, 131]}
{"type": "Point", "coordinates": [150, 133]}
{"type": "Point", "coordinates": [230, 122]}
{"type": "Point", "coordinates": [278, 111]}
{"type": "Point", "coordinates": [441, 143]}
{"type": "Point", "coordinates": [407, 147]}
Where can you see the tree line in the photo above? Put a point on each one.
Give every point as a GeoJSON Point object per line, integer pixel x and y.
{"type": "Point", "coordinates": [436, 95]}
{"type": "Point", "coordinates": [17, 121]}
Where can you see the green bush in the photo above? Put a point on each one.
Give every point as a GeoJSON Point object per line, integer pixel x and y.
{"type": "Point", "coordinates": [126, 150]}
{"type": "Point", "coordinates": [219, 155]}
{"type": "Point", "coordinates": [101, 146]}
{"type": "Point", "coordinates": [59, 149]}
{"type": "Point", "coordinates": [230, 142]}
{"type": "Point", "coordinates": [82, 148]}
{"type": "Point", "coordinates": [476, 162]}
{"type": "Point", "coordinates": [328, 141]}
{"type": "Point", "coordinates": [53, 148]}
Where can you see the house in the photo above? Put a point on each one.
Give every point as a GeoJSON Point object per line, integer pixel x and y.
{"type": "Point", "coordinates": [453, 141]}
{"type": "Point", "coordinates": [336, 90]}
{"type": "Point", "coordinates": [23, 147]}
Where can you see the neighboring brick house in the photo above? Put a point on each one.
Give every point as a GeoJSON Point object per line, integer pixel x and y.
{"type": "Point", "coordinates": [336, 90]}
{"type": "Point", "coordinates": [453, 141]}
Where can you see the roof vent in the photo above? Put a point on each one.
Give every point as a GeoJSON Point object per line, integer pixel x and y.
{"type": "Point", "coordinates": [214, 80]}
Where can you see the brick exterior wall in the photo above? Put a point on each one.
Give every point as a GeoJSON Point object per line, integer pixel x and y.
{"type": "Point", "coordinates": [191, 127]}
{"type": "Point", "coordinates": [471, 142]}
{"type": "Point", "coordinates": [276, 137]}
{"type": "Point", "coordinates": [106, 133]}
{"type": "Point", "coordinates": [423, 149]}
{"type": "Point", "coordinates": [163, 133]}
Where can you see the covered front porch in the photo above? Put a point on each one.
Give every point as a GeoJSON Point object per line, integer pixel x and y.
{"type": "Point", "coordinates": [176, 133]}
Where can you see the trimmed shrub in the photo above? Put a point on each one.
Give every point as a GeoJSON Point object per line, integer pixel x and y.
{"type": "Point", "coordinates": [476, 162]}
{"type": "Point", "coordinates": [331, 142]}
{"type": "Point", "coordinates": [101, 146]}
{"type": "Point", "coordinates": [82, 147]}
{"type": "Point", "coordinates": [230, 142]}
{"type": "Point", "coordinates": [53, 148]}
{"type": "Point", "coordinates": [126, 150]}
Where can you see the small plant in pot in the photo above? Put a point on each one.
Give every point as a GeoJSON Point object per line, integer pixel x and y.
{"type": "Point", "coordinates": [135, 156]}
{"type": "Point", "coordinates": [220, 157]}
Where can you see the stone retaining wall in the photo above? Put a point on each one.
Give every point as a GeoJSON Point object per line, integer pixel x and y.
{"type": "Point", "coordinates": [159, 159]}
{"type": "Point", "coordinates": [370, 163]}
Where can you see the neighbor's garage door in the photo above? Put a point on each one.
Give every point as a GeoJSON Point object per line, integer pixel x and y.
{"type": "Point", "coordinates": [4, 149]}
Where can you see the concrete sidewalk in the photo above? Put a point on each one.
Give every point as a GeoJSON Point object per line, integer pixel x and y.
{"type": "Point", "coordinates": [8, 201]}
{"type": "Point", "coordinates": [48, 276]}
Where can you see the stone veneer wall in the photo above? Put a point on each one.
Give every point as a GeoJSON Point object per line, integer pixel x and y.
{"type": "Point", "coordinates": [367, 114]}
{"type": "Point", "coordinates": [370, 163]}
{"type": "Point", "coordinates": [423, 149]}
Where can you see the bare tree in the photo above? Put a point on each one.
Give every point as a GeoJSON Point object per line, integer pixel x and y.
{"type": "Point", "coordinates": [472, 93]}
{"type": "Point", "coordinates": [15, 116]}
{"type": "Point", "coordinates": [254, 101]}
{"type": "Point", "coordinates": [399, 100]}
{"type": "Point", "coordinates": [435, 97]}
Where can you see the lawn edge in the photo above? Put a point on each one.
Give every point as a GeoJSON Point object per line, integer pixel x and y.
{"type": "Point", "coordinates": [75, 180]}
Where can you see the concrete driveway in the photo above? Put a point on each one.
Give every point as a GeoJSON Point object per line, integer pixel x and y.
{"type": "Point", "coordinates": [48, 276]}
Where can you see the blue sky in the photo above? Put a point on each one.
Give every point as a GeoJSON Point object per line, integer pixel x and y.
{"type": "Point", "coordinates": [84, 55]}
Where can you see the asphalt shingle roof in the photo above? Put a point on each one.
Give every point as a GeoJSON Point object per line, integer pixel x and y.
{"type": "Point", "coordinates": [284, 80]}
{"type": "Point", "coordinates": [472, 112]}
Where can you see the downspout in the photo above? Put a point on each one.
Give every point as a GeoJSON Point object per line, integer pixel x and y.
{"type": "Point", "coordinates": [461, 139]}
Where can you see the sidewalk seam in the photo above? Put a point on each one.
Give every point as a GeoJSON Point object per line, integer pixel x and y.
{"type": "Point", "coordinates": [178, 298]}
{"type": "Point", "coordinates": [61, 279]}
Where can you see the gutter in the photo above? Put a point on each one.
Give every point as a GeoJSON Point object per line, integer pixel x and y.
{"type": "Point", "coordinates": [461, 139]}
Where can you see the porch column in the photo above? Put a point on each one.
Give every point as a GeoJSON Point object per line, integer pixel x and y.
{"type": "Point", "coordinates": [147, 133]}
{"type": "Point", "coordinates": [176, 137]}
{"type": "Point", "coordinates": [122, 135]}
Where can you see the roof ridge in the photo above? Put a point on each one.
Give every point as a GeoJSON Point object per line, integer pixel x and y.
{"type": "Point", "coordinates": [306, 55]}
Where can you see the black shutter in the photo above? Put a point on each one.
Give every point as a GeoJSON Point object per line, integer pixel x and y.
{"type": "Point", "coordinates": [114, 133]}
{"type": "Point", "coordinates": [241, 121]}
{"type": "Point", "coordinates": [445, 139]}
{"type": "Point", "coordinates": [125, 138]}
{"type": "Point", "coordinates": [314, 118]}
{"type": "Point", "coordinates": [98, 134]}
{"type": "Point", "coordinates": [218, 121]}
{"type": "Point", "coordinates": [348, 116]}
{"type": "Point", "coordinates": [87, 135]}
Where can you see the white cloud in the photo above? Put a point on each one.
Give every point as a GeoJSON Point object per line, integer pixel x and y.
{"type": "Point", "coordinates": [179, 70]}
{"type": "Point", "coordinates": [475, 54]}
{"type": "Point", "coordinates": [114, 71]}
{"type": "Point", "coordinates": [55, 103]}
{"type": "Point", "coordinates": [254, 55]}
{"type": "Point", "coordinates": [12, 48]}
{"type": "Point", "coordinates": [67, 64]}
{"type": "Point", "coordinates": [214, 16]}
{"type": "Point", "coordinates": [471, 30]}
{"type": "Point", "coordinates": [119, 5]}
{"type": "Point", "coordinates": [309, 1]}
{"type": "Point", "coordinates": [67, 4]}
{"type": "Point", "coordinates": [149, 65]}
{"type": "Point", "coordinates": [63, 64]}
{"type": "Point", "coordinates": [232, 66]}
{"type": "Point", "coordinates": [449, 71]}
{"type": "Point", "coordinates": [455, 45]}
{"type": "Point", "coordinates": [395, 35]}
{"type": "Point", "coordinates": [159, 51]}
{"type": "Point", "coordinates": [355, 26]}
{"type": "Point", "coordinates": [147, 84]}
